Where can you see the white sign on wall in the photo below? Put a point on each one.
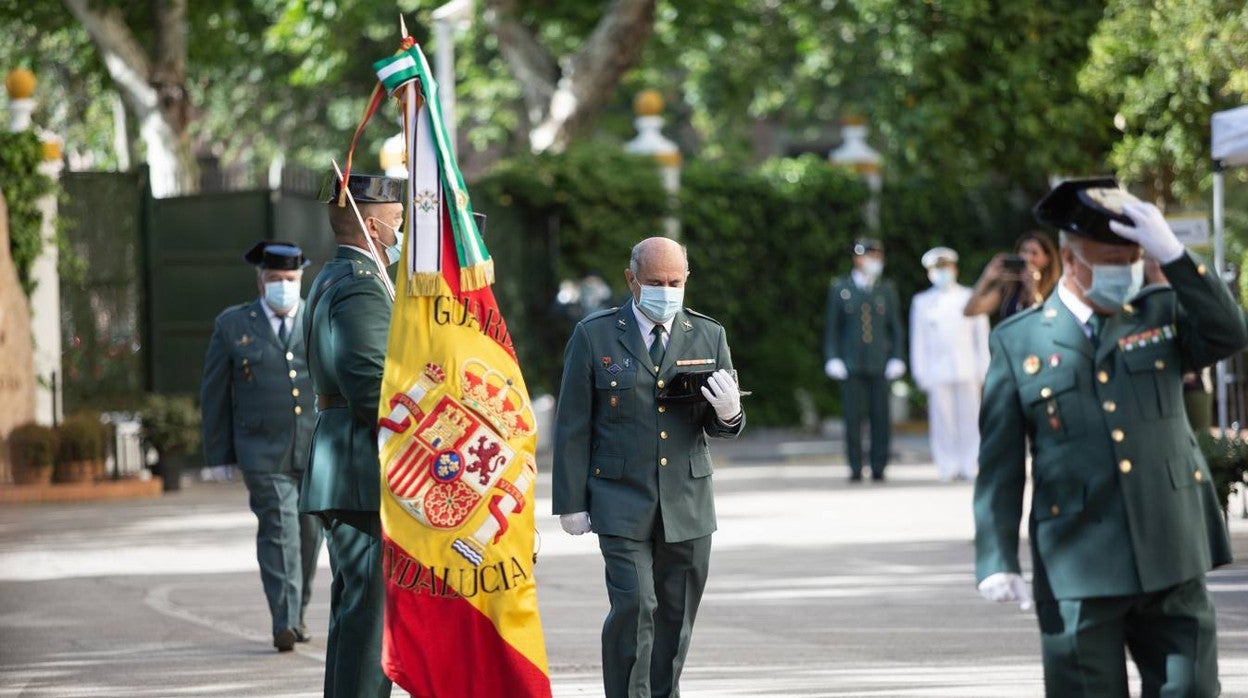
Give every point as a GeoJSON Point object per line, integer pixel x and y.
{"type": "Point", "coordinates": [1192, 230]}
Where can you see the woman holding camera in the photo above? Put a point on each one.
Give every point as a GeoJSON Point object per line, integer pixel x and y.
{"type": "Point", "coordinates": [1014, 282]}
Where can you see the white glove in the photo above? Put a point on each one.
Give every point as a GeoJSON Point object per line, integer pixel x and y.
{"type": "Point", "coordinates": [721, 391]}
{"type": "Point", "coordinates": [894, 369]}
{"type": "Point", "coordinates": [575, 524]}
{"type": "Point", "coordinates": [835, 368]}
{"type": "Point", "coordinates": [1151, 231]}
{"type": "Point", "coordinates": [1006, 586]}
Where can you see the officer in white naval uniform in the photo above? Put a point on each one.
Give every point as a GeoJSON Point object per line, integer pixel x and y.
{"type": "Point", "coordinates": [949, 359]}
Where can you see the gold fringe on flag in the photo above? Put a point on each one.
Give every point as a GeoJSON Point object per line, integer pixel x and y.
{"type": "Point", "coordinates": [424, 283]}
{"type": "Point", "coordinates": [476, 276]}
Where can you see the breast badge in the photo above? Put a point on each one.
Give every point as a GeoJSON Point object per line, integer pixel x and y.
{"type": "Point", "coordinates": [1031, 365]}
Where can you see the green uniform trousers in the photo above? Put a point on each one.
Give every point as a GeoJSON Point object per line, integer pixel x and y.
{"type": "Point", "coordinates": [356, 606]}
{"type": "Point", "coordinates": [1171, 634]}
{"type": "Point", "coordinates": [654, 588]}
{"type": "Point", "coordinates": [874, 391]}
{"type": "Point", "coordinates": [287, 545]}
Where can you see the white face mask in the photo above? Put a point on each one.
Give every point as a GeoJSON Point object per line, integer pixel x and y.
{"type": "Point", "coordinates": [660, 303]}
{"type": "Point", "coordinates": [872, 267]}
{"type": "Point", "coordinates": [941, 277]}
{"type": "Point", "coordinates": [1112, 284]}
{"type": "Point", "coordinates": [281, 295]}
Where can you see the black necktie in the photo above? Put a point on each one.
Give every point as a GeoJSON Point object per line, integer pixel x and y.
{"type": "Point", "coordinates": [282, 332]}
{"type": "Point", "coordinates": [1094, 324]}
{"type": "Point", "coordinates": [656, 347]}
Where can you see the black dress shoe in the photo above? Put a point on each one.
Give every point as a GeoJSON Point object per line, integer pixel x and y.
{"type": "Point", "coordinates": [855, 477]}
{"type": "Point", "coordinates": [285, 640]}
{"type": "Point", "coordinates": [877, 477]}
{"type": "Point", "coordinates": [301, 634]}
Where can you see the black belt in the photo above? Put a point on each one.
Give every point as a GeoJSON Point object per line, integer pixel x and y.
{"type": "Point", "coordinates": [326, 402]}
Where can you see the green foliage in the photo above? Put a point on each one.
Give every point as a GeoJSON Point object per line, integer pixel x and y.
{"type": "Point", "coordinates": [919, 213]}
{"type": "Point", "coordinates": [561, 216]}
{"type": "Point", "coordinates": [1227, 458]}
{"type": "Point", "coordinates": [1167, 66]}
{"type": "Point", "coordinates": [763, 245]}
{"type": "Point", "coordinates": [81, 438]}
{"type": "Point", "coordinates": [171, 424]}
{"type": "Point", "coordinates": [32, 446]}
{"type": "Point", "coordinates": [23, 185]}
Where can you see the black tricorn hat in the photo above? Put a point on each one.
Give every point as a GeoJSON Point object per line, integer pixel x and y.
{"type": "Point", "coordinates": [1084, 207]}
{"type": "Point", "coordinates": [365, 189]}
{"type": "Point", "coordinates": [865, 245]}
{"type": "Point", "coordinates": [279, 255]}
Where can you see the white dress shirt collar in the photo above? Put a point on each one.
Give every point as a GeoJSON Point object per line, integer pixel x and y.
{"type": "Point", "coordinates": [861, 280]}
{"type": "Point", "coordinates": [1082, 311]}
{"type": "Point", "coordinates": [646, 325]}
{"type": "Point", "coordinates": [274, 318]}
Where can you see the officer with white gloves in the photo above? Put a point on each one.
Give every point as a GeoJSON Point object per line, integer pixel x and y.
{"type": "Point", "coordinates": [1125, 520]}
{"type": "Point", "coordinates": [644, 385]}
{"type": "Point", "coordinates": [863, 342]}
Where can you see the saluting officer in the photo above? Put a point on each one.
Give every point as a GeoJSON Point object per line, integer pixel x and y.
{"type": "Point", "coordinates": [1124, 517]}
{"type": "Point", "coordinates": [863, 342]}
{"type": "Point", "coordinates": [348, 321]}
{"type": "Point", "coordinates": [256, 399]}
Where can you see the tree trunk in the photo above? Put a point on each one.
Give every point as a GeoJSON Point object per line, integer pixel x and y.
{"type": "Point", "coordinates": [564, 97]}
{"type": "Point", "coordinates": [153, 88]}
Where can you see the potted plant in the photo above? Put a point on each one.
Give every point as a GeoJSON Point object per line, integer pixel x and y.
{"type": "Point", "coordinates": [171, 426]}
{"type": "Point", "coordinates": [32, 450]}
{"type": "Point", "coordinates": [80, 449]}
{"type": "Point", "coordinates": [1227, 458]}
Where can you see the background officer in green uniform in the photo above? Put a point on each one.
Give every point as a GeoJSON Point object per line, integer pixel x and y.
{"type": "Point", "coordinates": [348, 320]}
{"type": "Point", "coordinates": [256, 399]}
{"type": "Point", "coordinates": [863, 340]}
{"type": "Point", "coordinates": [1124, 518]}
{"type": "Point", "coordinates": [631, 463]}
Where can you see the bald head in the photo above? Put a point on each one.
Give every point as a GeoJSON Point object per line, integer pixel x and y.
{"type": "Point", "coordinates": [657, 252]}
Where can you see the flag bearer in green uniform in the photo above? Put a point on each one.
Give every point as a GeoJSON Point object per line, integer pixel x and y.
{"type": "Point", "coordinates": [1124, 517]}
{"type": "Point", "coordinates": [348, 320]}
{"type": "Point", "coordinates": [863, 340]}
{"type": "Point", "coordinates": [256, 399]}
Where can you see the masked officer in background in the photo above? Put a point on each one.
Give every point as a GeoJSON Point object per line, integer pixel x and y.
{"type": "Point", "coordinates": [631, 462]}
{"type": "Point", "coordinates": [348, 321]}
{"type": "Point", "coordinates": [948, 359]}
{"type": "Point", "coordinates": [863, 341]}
{"type": "Point", "coordinates": [256, 399]}
{"type": "Point", "coordinates": [1124, 517]}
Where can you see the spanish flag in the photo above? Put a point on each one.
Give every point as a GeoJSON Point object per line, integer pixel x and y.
{"type": "Point", "coordinates": [456, 437]}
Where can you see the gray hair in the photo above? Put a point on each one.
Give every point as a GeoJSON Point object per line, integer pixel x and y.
{"type": "Point", "coordinates": [634, 257]}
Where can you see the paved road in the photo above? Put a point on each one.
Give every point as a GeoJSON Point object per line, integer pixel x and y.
{"type": "Point", "coordinates": [817, 588]}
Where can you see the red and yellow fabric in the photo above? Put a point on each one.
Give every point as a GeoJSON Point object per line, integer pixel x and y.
{"type": "Point", "coordinates": [456, 437]}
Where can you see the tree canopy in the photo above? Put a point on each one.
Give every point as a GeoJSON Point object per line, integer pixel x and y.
{"type": "Point", "coordinates": [998, 93]}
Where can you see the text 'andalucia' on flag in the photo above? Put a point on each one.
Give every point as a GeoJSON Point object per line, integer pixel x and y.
{"type": "Point", "coordinates": [456, 437]}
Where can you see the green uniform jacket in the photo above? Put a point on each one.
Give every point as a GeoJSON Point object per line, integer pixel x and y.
{"type": "Point", "coordinates": [347, 332]}
{"type": "Point", "coordinates": [256, 396]}
{"type": "Point", "coordinates": [620, 454]}
{"type": "Point", "coordinates": [1122, 500]}
{"type": "Point", "coordinates": [863, 328]}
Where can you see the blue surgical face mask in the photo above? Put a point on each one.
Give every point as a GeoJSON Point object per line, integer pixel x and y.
{"type": "Point", "coordinates": [393, 252]}
{"type": "Point", "coordinates": [1113, 284]}
{"type": "Point", "coordinates": [941, 277]}
{"type": "Point", "coordinates": [660, 303]}
{"type": "Point", "coordinates": [281, 295]}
